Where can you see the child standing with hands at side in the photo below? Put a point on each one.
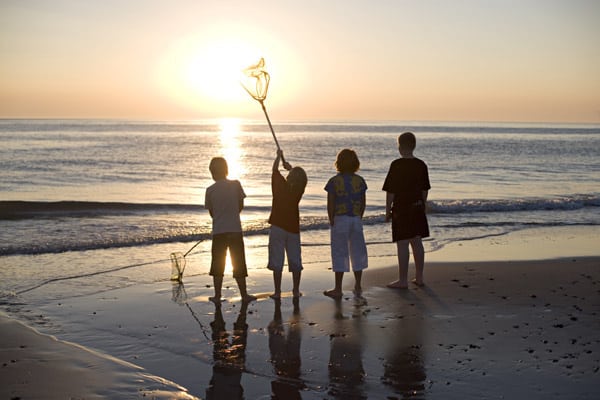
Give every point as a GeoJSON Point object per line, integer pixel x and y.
{"type": "Point", "coordinates": [407, 185]}
{"type": "Point", "coordinates": [284, 235]}
{"type": "Point", "coordinates": [225, 200]}
{"type": "Point", "coordinates": [346, 202]}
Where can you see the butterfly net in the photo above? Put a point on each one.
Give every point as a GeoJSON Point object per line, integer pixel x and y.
{"type": "Point", "coordinates": [177, 266]}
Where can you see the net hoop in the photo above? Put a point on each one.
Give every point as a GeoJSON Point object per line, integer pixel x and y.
{"type": "Point", "coordinates": [177, 266]}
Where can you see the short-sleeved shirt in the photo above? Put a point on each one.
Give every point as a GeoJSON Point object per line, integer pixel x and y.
{"type": "Point", "coordinates": [284, 210]}
{"type": "Point", "coordinates": [349, 190]}
{"type": "Point", "coordinates": [407, 178]}
{"type": "Point", "coordinates": [223, 200]}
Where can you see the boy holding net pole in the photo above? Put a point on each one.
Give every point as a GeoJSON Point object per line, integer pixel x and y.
{"type": "Point", "coordinates": [284, 235]}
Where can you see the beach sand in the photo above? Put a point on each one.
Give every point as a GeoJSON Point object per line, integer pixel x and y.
{"type": "Point", "coordinates": [486, 327]}
{"type": "Point", "coordinates": [36, 366]}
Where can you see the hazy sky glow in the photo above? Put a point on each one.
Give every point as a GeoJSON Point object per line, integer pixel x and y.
{"type": "Point", "coordinates": [462, 60]}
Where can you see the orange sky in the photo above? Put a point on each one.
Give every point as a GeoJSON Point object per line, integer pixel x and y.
{"type": "Point", "coordinates": [531, 61]}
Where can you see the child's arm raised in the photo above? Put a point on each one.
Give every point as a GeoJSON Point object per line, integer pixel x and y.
{"type": "Point", "coordinates": [279, 157]}
{"type": "Point", "coordinates": [276, 161]}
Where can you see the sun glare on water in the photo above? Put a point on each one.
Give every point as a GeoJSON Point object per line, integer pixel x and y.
{"type": "Point", "coordinates": [230, 147]}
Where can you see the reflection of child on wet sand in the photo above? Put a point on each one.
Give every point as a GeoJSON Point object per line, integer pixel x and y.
{"type": "Point", "coordinates": [346, 201]}
{"type": "Point", "coordinates": [224, 201]}
{"type": "Point", "coordinates": [284, 235]}
{"type": "Point", "coordinates": [346, 371]}
{"type": "Point", "coordinates": [285, 354]}
{"type": "Point", "coordinates": [229, 358]}
{"type": "Point", "coordinates": [407, 186]}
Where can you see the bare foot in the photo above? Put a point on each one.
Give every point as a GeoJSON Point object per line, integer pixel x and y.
{"type": "Point", "coordinates": [357, 292]}
{"type": "Point", "coordinates": [215, 299]}
{"type": "Point", "coordinates": [275, 296]}
{"type": "Point", "coordinates": [418, 283]}
{"type": "Point", "coordinates": [397, 285]}
{"type": "Point", "coordinates": [247, 298]}
{"type": "Point", "coordinates": [334, 294]}
{"type": "Point", "coordinates": [296, 294]}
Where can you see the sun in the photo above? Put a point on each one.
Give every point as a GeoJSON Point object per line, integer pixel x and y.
{"type": "Point", "coordinates": [202, 72]}
{"type": "Point", "coordinates": [197, 71]}
{"type": "Point", "coordinates": [215, 70]}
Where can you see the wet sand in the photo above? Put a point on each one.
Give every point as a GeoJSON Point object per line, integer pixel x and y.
{"type": "Point", "coordinates": [37, 366]}
{"type": "Point", "coordinates": [478, 329]}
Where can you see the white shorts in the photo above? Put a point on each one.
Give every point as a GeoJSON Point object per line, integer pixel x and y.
{"type": "Point", "coordinates": [280, 242]}
{"type": "Point", "coordinates": [348, 244]}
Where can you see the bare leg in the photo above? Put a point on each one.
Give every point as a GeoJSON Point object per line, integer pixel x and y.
{"type": "Point", "coordinates": [419, 256]}
{"type": "Point", "coordinates": [296, 281]}
{"type": "Point", "coordinates": [218, 284]}
{"type": "Point", "coordinates": [242, 286]}
{"type": "Point", "coordinates": [336, 292]}
{"type": "Point", "coordinates": [403, 258]}
{"type": "Point", "coordinates": [357, 283]}
{"type": "Point", "coordinates": [277, 284]}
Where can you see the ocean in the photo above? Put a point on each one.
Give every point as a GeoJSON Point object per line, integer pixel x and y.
{"type": "Point", "coordinates": [127, 193]}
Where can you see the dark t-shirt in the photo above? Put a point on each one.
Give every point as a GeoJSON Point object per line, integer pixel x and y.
{"type": "Point", "coordinates": [407, 178]}
{"type": "Point", "coordinates": [284, 211]}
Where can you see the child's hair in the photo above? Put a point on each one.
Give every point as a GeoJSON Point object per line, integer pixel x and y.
{"type": "Point", "coordinates": [347, 161]}
{"type": "Point", "coordinates": [218, 168]}
{"type": "Point", "coordinates": [407, 141]}
{"type": "Point", "coordinates": [297, 180]}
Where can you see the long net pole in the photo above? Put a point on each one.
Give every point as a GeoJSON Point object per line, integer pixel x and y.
{"type": "Point", "coordinates": [259, 94]}
{"type": "Point", "coordinates": [270, 126]}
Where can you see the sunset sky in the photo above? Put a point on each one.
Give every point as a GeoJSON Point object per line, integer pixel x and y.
{"type": "Point", "coordinates": [372, 60]}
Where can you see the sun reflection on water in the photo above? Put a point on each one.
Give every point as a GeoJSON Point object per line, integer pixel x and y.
{"type": "Point", "coordinates": [230, 147]}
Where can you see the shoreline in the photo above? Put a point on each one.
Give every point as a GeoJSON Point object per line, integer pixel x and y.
{"type": "Point", "coordinates": [39, 366]}
{"type": "Point", "coordinates": [508, 328]}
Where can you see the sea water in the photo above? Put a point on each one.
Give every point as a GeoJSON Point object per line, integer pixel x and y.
{"type": "Point", "coordinates": [104, 202]}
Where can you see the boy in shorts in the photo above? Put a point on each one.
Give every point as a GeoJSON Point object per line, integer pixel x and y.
{"type": "Point", "coordinates": [346, 201]}
{"type": "Point", "coordinates": [225, 200]}
{"type": "Point", "coordinates": [284, 235]}
{"type": "Point", "coordinates": [407, 186]}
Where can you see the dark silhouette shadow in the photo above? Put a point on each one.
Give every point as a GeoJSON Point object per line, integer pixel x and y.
{"type": "Point", "coordinates": [346, 373]}
{"type": "Point", "coordinates": [435, 298]}
{"type": "Point", "coordinates": [285, 354]}
{"type": "Point", "coordinates": [404, 369]}
{"type": "Point", "coordinates": [229, 357]}
{"type": "Point", "coordinates": [405, 373]}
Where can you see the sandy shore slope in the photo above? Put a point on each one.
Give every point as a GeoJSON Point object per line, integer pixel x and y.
{"type": "Point", "coordinates": [478, 329]}
{"type": "Point", "coordinates": [37, 366]}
